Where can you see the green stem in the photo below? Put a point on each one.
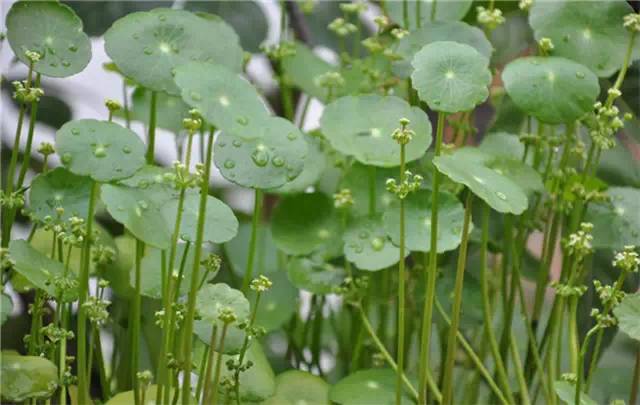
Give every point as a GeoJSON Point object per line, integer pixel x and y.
{"type": "Point", "coordinates": [522, 383]}
{"type": "Point", "coordinates": [401, 280]}
{"type": "Point", "coordinates": [135, 319]}
{"type": "Point", "coordinates": [195, 274]}
{"type": "Point", "coordinates": [27, 150]}
{"type": "Point", "coordinates": [447, 385]}
{"type": "Point", "coordinates": [257, 213]}
{"type": "Point", "coordinates": [473, 356]}
{"type": "Point", "coordinates": [425, 339]}
{"type": "Point", "coordinates": [635, 381]}
{"type": "Point", "coordinates": [389, 359]}
{"type": "Point", "coordinates": [62, 362]}
{"type": "Point", "coordinates": [216, 376]}
{"type": "Point", "coordinates": [83, 282]}
{"type": "Point", "coordinates": [372, 191]}
{"type": "Point", "coordinates": [209, 363]}
{"type": "Point", "coordinates": [433, 10]}
{"type": "Point", "coordinates": [125, 104]}
{"type": "Point", "coordinates": [245, 346]}
{"type": "Point", "coordinates": [486, 307]}
{"type": "Point", "coordinates": [405, 14]}
{"type": "Point", "coordinates": [150, 155]}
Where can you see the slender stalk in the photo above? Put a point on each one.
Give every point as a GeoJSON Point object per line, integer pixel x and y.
{"type": "Point", "coordinates": [635, 381]}
{"type": "Point", "coordinates": [447, 385]}
{"type": "Point", "coordinates": [257, 213]}
{"type": "Point", "coordinates": [486, 308]}
{"type": "Point", "coordinates": [372, 191]}
{"type": "Point", "coordinates": [135, 320]}
{"type": "Point", "coordinates": [401, 281]}
{"type": "Point", "coordinates": [209, 362]}
{"type": "Point", "coordinates": [434, 4]}
{"type": "Point", "coordinates": [83, 285]}
{"type": "Point", "coordinates": [405, 14]}
{"type": "Point", "coordinates": [391, 362]}
{"type": "Point", "coordinates": [425, 340]}
{"type": "Point", "coordinates": [195, 274]}
{"type": "Point", "coordinates": [150, 155]}
{"type": "Point", "coordinates": [216, 376]}
{"type": "Point", "coordinates": [62, 362]}
{"type": "Point", "coordinates": [125, 104]}
{"type": "Point", "coordinates": [522, 383]}
{"type": "Point", "coordinates": [33, 114]}
{"type": "Point", "coordinates": [245, 345]}
{"type": "Point", "coordinates": [473, 356]}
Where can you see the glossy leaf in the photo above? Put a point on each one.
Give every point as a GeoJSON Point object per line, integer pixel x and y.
{"type": "Point", "coordinates": [367, 245]}
{"type": "Point", "coordinates": [313, 276]}
{"type": "Point", "coordinates": [361, 126]}
{"type": "Point", "coordinates": [102, 150]}
{"type": "Point", "coordinates": [357, 180]}
{"type": "Point", "coordinates": [552, 89]}
{"type": "Point", "coordinates": [451, 77]}
{"type": "Point", "coordinates": [170, 110]}
{"type": "Point", "coordinates": [278, 304]}
{"type": "Point", "coordinates": [59, 188]}
{"type": "Point", "coordinates": [128, 397]}
{"type": "Point", "coordinates": [628, 315]}
{"type": "Point", "coordinates": [616, 224]}
{"type": "Point", "coordinates": [258, 382]}
{"type": "Point", "coordinates": [315, 162]}
{"type": "Point", "coordinates": [270, 158]}
{"type": "Point", "coordinates": [6, 307]}
{"type": "Point", "coordinates": [589, 33]}
{"type": "Point", "coordinates": [418, 221]}
{"type": "Point", "coordinates": [40, 270]}
{"type": "Point", "coordinates": [296, 387]}
{"type": "Point", "coordinates": [54, 31]}
{"type": "Point", "coordinates": [266, 261]}
{"type": "Point", "coordinates": [366, 387]}
{"type": "Point", "coordinates": [25, 377]}
{"type": "Point", "coordinates": [567, 393]}
{"type": "Point", "coordinates": [148, 46]}
{"type": "Point", "coordinates": [304, 223]}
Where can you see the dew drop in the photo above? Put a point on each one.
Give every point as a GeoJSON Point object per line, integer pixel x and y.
{"type": "Point", "coordinates": [292, 136]}
{"type": "Point", "coordinates": [242, 120]}
{"type": "Point", "coordinates": [580, 75]}
{"type": "Point", "coordinates": [501, 195]}
{"type": "Point", "coordinates": [277, 161]}
{"type": "Point", "coordinates": [143, 204]}
{"type": "Point", "coordinates": [363, 235]}
{"type": "Point", "coordinates": [260, 157]}
{"type": "Point", "coordinates": [147, 50]}
{"type": "Point", "coordinates": [99, 151]}
{"type": "Point", "coordinates": [135, 36]}
{"type": "Point", "coordinates": [357, 248]}
{"type": "Point", "coordinates": [377, 244]}
{"type": "Point", "coordinates": [120, 208]}
{"type": "Point", "coordinates": [53, 64]}
{"type": "Point", "coordinates": [229, 164]}
{"type": "Point", "coordinates": [436, 102]}
{"type": "Point", "coordinates": [143, 184]}
{"type": "Point", "coordinates": [66, 63]}
{"type": "Point", "coordinates": [162, 17]}
{"type": "Point", "coordinates": [66, 158]}
{"type": "Point", "coordinates": [75, 131]}
{"type": "Point", "coordinates": [196, 96]}
{"type": "Point", "coordinates": [126, 149]}
{"type": "Point", "coordinates": [73, 48]}
{"type": "Point", "coordinates": [237, 143]}
{"type": "Point", "coordinates": [222, 144]}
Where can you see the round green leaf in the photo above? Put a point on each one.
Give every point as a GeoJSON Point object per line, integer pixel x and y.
{"type": "Point", "coordinates": [589, 33]}
{"type": "Point", "coordinates": [447, 10]}
{"type": "Point", "coordinates": [567, 393]}
{"type": "Point", "coordinates": [451, 77]}
{"type": "Point", "coordinates": [270, 158]}
{"type": "Point", "coordinates": [456, 31]}
{"type": "Point", "coordinates": [103, 150]}
{"type": "Point", "coordinates": [502, 144]}
{"type": "Point", "coordinates": [210, 300]}
{"type": "Point", "coordinates": [128, 397]}
{"type": "Point", "coordinates": [54, 31]}
{"type": "Point", "coordinates": [289, 392]}
{"type": "Point", "coordinates": [313, 276]}
{"type": "Point", "coordinates": [170, 110]}
{"type": "Point", "coordinates": [361, 126]}
{"type": "Point", "coordinates": [40, 270]}
{"type": "Point", "coordinates": [304, 223]}
{"type": "Point", "coordinates": [366, 387]}
{"type": "Point", "coordinates": [25, 377]}
{"type": "Point", "coordinates": [148, 46]}
{"type": "Point", "coordinates": [367, 246]}
{"type": "Point", "coordinates": [266, 261]}
{"type": "Point", "coordinates": [6, 307]}
{"type": "Point", "coordinates": [552, 89]}
{"type": "Point", "coordinates": [59, 188]}
{"type": "Point", "coordinates": [617, 223]}
{"type": "Point", "coordinates": [628, 314]}
{"type": "Point", "coordinates": [141, 211]}
{"type": "Point", "coordinates": [492, 186]}
{"type": "Point", "coordinates": [357, 180]}
{"type": "Point", "coordinates": [221, 225]}
{"type": "Point", "coordinates": [418, 221]}
{"type": "Point", "coordinates": [276, 305]}
{"type": "Point", "coordinates": [315, 163]}
{"type": "Point", "coordinates": [224, 98]}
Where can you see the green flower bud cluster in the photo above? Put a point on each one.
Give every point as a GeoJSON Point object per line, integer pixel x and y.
{"type": "Point", "coordinates": [193, 123]}
{"type": "Point", "coordinates": [144, 378]}
{"type": "Point", "coordinates": [343, 198]}
{"type": "Point", "coordinates": [525, 5]}
{"type": "Point", "coordinates": [411, 183]}
{"type": "Point", "coordinates": [399, 33]}
{"type": "Point", "coordinates": [605, 121]}
{"type": "Point", "coordinates": [632, 22]}
{"type": "Point", "coordinates": [627, 260]}
{"type": "Point", "coordinates": [14, 200]}
{"type": "Point", "coordinates": [579, 243]}
{"type": "Point", "coordinates": [261, 284]}
{"type": "Point", "coordinates": [212, 263]}
{"type": "Point", "coordinates": [33, 56]}
{"type": "Point", "coordinates": [352, 289]}
{"type": "Point", "coordinates": [46, 149]}
{"type": "Point", "coordinates": [566, 290]}
{"type": "Point", "coordinates": [112, 105]}
{"type": "Point", "coordinates": [181, 178]}
{"type": "Point", "coordinates": [24, 94]}
{"type": "Point", "coordinates": [6, 262]}
{"type": "Point", "coordinates": [603, 320]}
{"type": "Point", "coordinates": [55, 334]}
{"type": "Point", "coordinates": [490, 18]}
{"type": "Point", "coordinates": [608, 294]}
{"type": "Point", "coordinates": [103, 255]}
{"type": "Point", "coordinates": [329, 80]}
{"type": "Point", "coordinates": [403, 135]}
{"type": "Point", "coordinates": [97, 310]}
{"type": "Point", "coordinates": [62, 283]}
{"type": "Point", "coordinates": [279, 51]}
{"type": "Point", "coordinates": [227, 315]}
{"type": "Point", "coordinates": [353, 8]}
{"type": "Point", "coordinates": [546, 45]}
{"type": "Point", "coordinates": [341, 27]}
{"type": "Point", "coordinates": [571, 378]}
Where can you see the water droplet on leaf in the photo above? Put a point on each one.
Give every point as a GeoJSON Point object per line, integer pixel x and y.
{"type": "Point", "coordinates": [66, 158]}
{"type": "Point", "coordinates": [501, 195]}
{"type": "Point", "coordinates": [237, 143]}
{"type": "Point", "coordinates": [377, 244]}
{"type": "Point", "coordinates": [277, 161]}
{"type": "Point", "coordinates": [126, 149]}
{"type": "Point", "coordinates": [260, 157]}
{"type": "Point", "coordinates": [229, 164]}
